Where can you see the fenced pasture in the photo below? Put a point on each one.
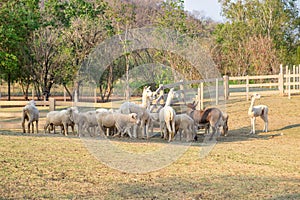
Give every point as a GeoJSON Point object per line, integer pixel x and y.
{"type": "Point", "coordinates": [240, 166]}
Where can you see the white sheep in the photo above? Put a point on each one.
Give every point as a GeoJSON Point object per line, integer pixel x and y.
{"type": "Point", "coordinates": [80, 121]}
{"type": "Point", "coordinates": [185, 124]}
{"type": "Point", "coordinates": [91, 121]}
{"type": "Point", "coordinates": [143, 115]}
{"type": "Point", "coordinates": [258, 111]}
{"type": "Point", "coordinates": [123, 122]}
{"type": "Point", "coordinates": [31, 114]}
{"type": "Point", "coordinates": [60, 118]}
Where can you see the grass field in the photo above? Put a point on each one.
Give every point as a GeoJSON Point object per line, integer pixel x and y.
{"type": "Point", "coordinates": [240, 166]}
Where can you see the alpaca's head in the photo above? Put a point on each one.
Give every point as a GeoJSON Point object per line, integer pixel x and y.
{"type": "Point", "coordinates": [255, 96]}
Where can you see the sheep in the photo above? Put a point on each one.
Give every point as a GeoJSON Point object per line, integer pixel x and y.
{"type": "Point", "coordinates": [185, 124]}
{"type": "Point", "coordinates": [258, 111]}
{"type": "Point", "coordinates": [31, 114]}
{"type": "Point", "coordinates": [91, 120]}
{"type": "Point", "coordinates": [80, 120]}
{"type": "Point", "coordinates": [143, 116]}
{"type": "Point", "coordinates": [60, 118]}
{"type": "Point", "coordinates": [123, 122]}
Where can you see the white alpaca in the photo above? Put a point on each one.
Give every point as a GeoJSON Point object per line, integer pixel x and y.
{"type": "Point", "coordinates": [257, 111]}
{"type": "Point", "coordinates": [167, 117]}
{"type": "Point", "coordinates": [147, 97]}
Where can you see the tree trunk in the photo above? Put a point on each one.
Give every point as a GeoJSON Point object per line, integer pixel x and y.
{"type": "Point", "coordinates": [68, 91]}
{"type": "Point", "coordinates": [8, 88]}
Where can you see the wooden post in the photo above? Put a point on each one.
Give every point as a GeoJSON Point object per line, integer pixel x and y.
{"type": "Point", "coordinates": [294, 78]}
{"type": "Point", "coordinates": [297, 77]}
{"type": "Point", "coordinates": [217, 91]}
{"type": "Point", "coordinates": [202, 95]}
{"type": "Point", "coordinates": [51, 104]}
{"type": "Point", "coordinates": [281, 81]}
{"type": "Point", "coordinates": [198, 98]}
{"type": "Point", "coordinates": [226, 87]}
{"type": "Point", "coordinates": [95, 95]}
{"type": "Point", "coordinates": [289, 83]}
{"type": "Point", "coordinates": [247, 87]}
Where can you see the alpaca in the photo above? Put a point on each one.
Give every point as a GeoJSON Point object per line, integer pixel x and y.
{"type": "Point", "coordinates": [257, 111]}
{"type": "Point", "coordinates": [147, 97]}
{"type": "Point", "coordinates": [167, 117]}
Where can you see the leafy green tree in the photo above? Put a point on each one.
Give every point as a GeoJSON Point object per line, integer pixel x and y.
{"type": "Point", "coordinates": [18, 20]}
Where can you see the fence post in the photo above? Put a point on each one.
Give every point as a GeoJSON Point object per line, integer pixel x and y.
{"type": "Point", "coordinates": [298, 80]}
{"type": "Point", "coordinates": [201, 95]}
{"type": "Point", "coordinates": [247, 87]}
{"type": "Point", "coordinates": [281, 81]}
{"type": "Point", "coordinates": [217, 91]}
{"type": "Point", "coordinates": [51, 104]}
{"type": "Point", "coordinates": [294, 78]}
{"type": "Point", "coordinates": [198, 98]}
{"type": "Point", "coordinates": [289, 84]}
{"type": "Point", "coordinates": [226, 87]}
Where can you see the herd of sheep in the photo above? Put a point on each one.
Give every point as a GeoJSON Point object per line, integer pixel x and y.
{"type": "Point", "coordinates": [133, 120]}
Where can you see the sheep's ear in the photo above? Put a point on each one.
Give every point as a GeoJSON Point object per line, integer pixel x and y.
{"type": "Point", "coordinates": [133, 116]}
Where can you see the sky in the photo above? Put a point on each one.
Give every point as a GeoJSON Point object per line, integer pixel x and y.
{"type": "Point", "coordinates": [208, 8]}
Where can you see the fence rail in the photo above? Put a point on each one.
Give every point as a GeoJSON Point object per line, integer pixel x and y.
{"type": "Point", "coordinates": [287, 82]}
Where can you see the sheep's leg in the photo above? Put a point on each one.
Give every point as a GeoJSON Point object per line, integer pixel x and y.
{"type": "Point", "coordinates": [37, 126]}
{"type": "Point", "coordinates": [72, 127]}
{"type": "Point", "coordinates": [101, 131]}
{"type": "Point", "coordinates": [32, 127]}
{"type": "Point", "coordinates": [173, 130]}
{"type": "Point", "coordinates": [28, 126]}
{"type": "Point", "coordinates": [23, 126]}
{"type": "Point", "coordinates": [147, 130]}
{"type": "Point", "coordinates": [45, 127]}
{"type": "Point", "coordinates": [65, 129]}
{"type": "Point", "coordinates": [127, 129]}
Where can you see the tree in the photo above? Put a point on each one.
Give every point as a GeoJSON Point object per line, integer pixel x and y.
{"type": "Point", "coordinates": [269, 25]}
{"type": "Point", "coordinates": [18, 20]}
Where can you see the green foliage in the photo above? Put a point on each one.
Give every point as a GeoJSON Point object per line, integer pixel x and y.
{"type": "Point", "coordinates": [252, 28]}
{"type": "Point", "coordinates": [62, 12]}
{"type": "Point", "coordinates": [18, 20]}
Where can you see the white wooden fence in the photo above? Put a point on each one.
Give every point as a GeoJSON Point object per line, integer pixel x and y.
{"type": "Point", "coordinates": [287, 82]}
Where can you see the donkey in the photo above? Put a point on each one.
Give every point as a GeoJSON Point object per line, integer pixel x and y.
{"type": "Point", "coordinates": [212, 116]}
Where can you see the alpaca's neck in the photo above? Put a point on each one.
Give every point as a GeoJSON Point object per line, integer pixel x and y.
{"type": "Point", "coordinates": [145, 102]}
{"type": "Point", "coordinates": [252, 104]}
{"type": "Point", "coordinates": [168, 101]}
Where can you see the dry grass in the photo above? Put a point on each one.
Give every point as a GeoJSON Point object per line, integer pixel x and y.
{"type": "Point", "coordinates": [264, 166]}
